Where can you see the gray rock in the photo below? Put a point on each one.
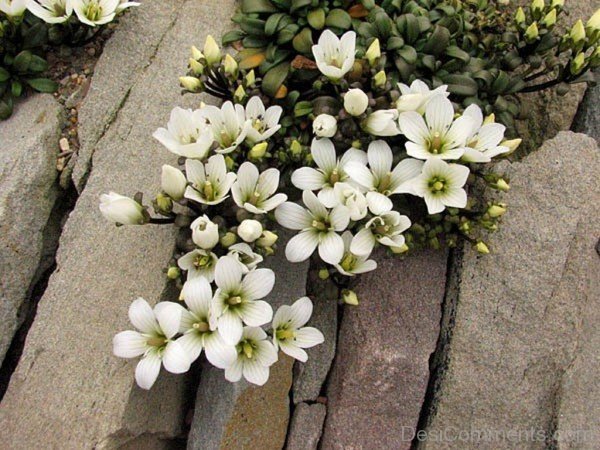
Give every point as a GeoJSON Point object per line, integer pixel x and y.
{"type": "Point", "coordinates": [68, 390]}
{"type": "Point", "coordinates": [381, 370]}
{"type": "Point", "coordinates": [309, 377]}
{"type": "Point", "coordinates": [28, 150]}
{"type": "Point", "coordinates": [240, 415]}
{"type": "Point", "coordinates": [306, 427]}
{"type": "Point", "coordinates": [123, 65]}
{"type": "Point", "coordinates": [520, 318]}
{"type": "Point", "coordinates": [588, 117]}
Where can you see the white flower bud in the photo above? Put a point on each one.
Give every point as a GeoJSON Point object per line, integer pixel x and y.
{"type": "Point", "coordinates": [205, 233]}
{"type": "Point", "coordinates": [356, 102]}
{"type": "Point", "coordinates": [373, 52]}
{"type": "Point", "coordinates": [230, 65]}
{"type": "Point", "coordinates": [250, 230]}
{"type": "Point", "coordinates": [173, 182]}
{"type": "Point", "coordinates": [212, 52]}
{"type": "Point", "coordinates": [267, 239]}
{"type": "Point", "coordinates": [325, 125]}
{"type": "Point", "coordinates": [191, 84]}
{"type": "Point", "coordinates": [120, 209]}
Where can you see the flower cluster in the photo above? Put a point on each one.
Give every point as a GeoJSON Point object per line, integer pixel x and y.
{"type": "Point", "coordinates": [226, 213]}
{"type": "Point", "coordinates": [89, 12]}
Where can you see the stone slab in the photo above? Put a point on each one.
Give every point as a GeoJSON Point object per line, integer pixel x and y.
{"type": "Point", "coordinates": [519, 311]}
{"type": "Point", "coordinates": [242, 416]}
{"type": "Point", "coordinates": [69, 391]}
{"type": "Point", "coordinates": [306, 426]}
{"type": "Point", "coordinates": [381, 370]}
{"type": "Point", "coordinates": [587, 120]}
{"type": "Point", "coordinates": [28, 150]}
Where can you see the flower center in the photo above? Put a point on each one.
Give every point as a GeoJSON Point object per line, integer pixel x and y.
{"type": "Point", "coordinates": [157, 341]}
{"type": "Point", "coordinates": [234, 300]}
{"type": "Point", "coordinates": [202, 261]}
{"type": "Point", "coordinates": [59, 9]}
{"type": "Point", "coordinates": [348, 262]}
{"type": "Point", "coordinates": [436, 144]}
{"type": "Point", "coordinates": [248, 349]}
{"type": "Point", "coordinates": [258, 125]}
{"type": "Point", "coordinates": [93, 11]}
{"type": "Point", "coordinates": [321, 225]}
{"type": "Point", "coordinates": [201, 327]}
{"type": "Point", "coordinates": [334, 177]}
{"type": "Point", "coordinates": [226, 140]}
{"type": "Point", "coordinates": [385, 183]}
{"type": "Point", "coordinates": [283, 334]}
{"type": "Point", "coordinates": [254, 198]}
{"type": "Point", "coordinates": [208, 190]}
{"type": "Point", "coordinates": [437, 185]}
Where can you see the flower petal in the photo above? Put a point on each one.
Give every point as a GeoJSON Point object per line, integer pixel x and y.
{"type": "Point", "coordinates": [256, 314]}
{"type": "Point", "coordinates": [129, 344]}
{"type": "Point", "coordinates": [331, 247]}
{"type": "Point", "coordinates": [258, 283]}
{"type": "Point", "coordinates": [300, 247]}
{"type": "Point", "coordinates": [289, 348]}
{"type": "Point", "coordinates": [380, 158]}
{"type": "Point", "coordinates": [192, 345]}
{"type": "Point", "coordinates": [147, 370]}
{"type": "Point", "coordinates": [197, 295]}
{"type": "Point", "coordinates": [363, 242]}
{"type": "Point", "coordinates": [230, 327]}
{"type": "Point", "coordinates": [175, 359]}
{"type": "Point", "coordinates": [323, 153]}
{"type": "Point", "coordinates": [228, 274]}
{"type": "Point", "coordinates": [255, 373]}
{"type": "Point", "coordinates": [378, 203]}
{"type": "Point", "coordinates": [307, 178]}
{"type": "Point", "coordinates": [142, 316]}
{"type": "Point", "coordinates": [300, 311]}
{"type": "Point", "coordinates": [309, 337]}
{"type": "Point", "coordinates": [218, 353]}
{"type": "Point", "coordinates": [293, 216]}
{"type": "Point", "coordinates": [168, 315]}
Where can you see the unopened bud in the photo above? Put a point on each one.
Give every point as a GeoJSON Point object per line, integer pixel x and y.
{"type": "Point", "coordinates": [323, 274]}
{"type": "Point", "coordinates": [191, 84]}
{"type": "Point", "coordinates": [550, 19]}
{"type": "Point", "coordinates": [537, 5]}
{"type": "Point", "coordinates": [520, 16]}
{"type": "Point", "coordinates": [373, 52]}
{"type": "Point", "coordinates": [557, 3]}
{"type": "Point", "coordinates": [295, 147]}
{"type": "Point", "coordinates": [490, 119]}
{"type": "Point", "coordinates": [230, 65]}
{"type": "Point", "coordinates": [240, 94]}
{"type": "Point", "coordinates": [258, 151]}
{"type": "Point", "coordinates": [173, 272]}
{"type": "Point", "coordinates": [196, 67]}
{"type": "Point", "coordinates": [512, 145]}
{"type": "Point", "coordinates": [482, 248]}
{"type": "Point", "coordinates": [402, 249]}
{"type": "Point", "coordinates": [228, 239]}
{"type": "Point", "coordinates": [502, 185]}
{"type": "Point", "coordinates": [578, 63]}
{"type": "Point", "coordinates": [229, 162]}
{"type": "Point", "coordinates": [267, 239]}
{"type": "Point", "coordinates": [164, 203]}
{"type": "Point", "coordinates": [349, 297]}
{"type": "Point", "coordinates": [577, 34]}
{"type": "Point", "coordinates": [496, 210]}
{"type": "Point", "coordinates": [212, 52]}
{"type": "Point", "coordinates": [379, 79]}
{"type": "Point", "coordinates": [196, 54]}
{"type": "Point", "coordinates": [532, 32]}
{"type": "Point", "coordinates": [250, 78]}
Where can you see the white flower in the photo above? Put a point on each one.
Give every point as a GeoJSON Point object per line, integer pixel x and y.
{"type": "Point", "coordinates": [263, 123]}
{"type": "Point", "coordinates": [95, 12]}
{"type": "Point", "coordinates": [243, 253]}
{"type": "Point", "coordinates": [210, 182]}
{"type": "Point", "coordinates": [254, 192]}
{"type": "Point", "coordinates": [228, 124]}
{"type": "Point", "coordinates": [438, 135]}
{"type": "Point", "coordinates": [334, 56]}
{"type": "Point", "coordinates": [255, 354]}
{"type": "Point", "coordinates": [13, 8]}
{"type": "Point", "coordinates": [379, 177]}
{"type": "Point", "coordinates": [51, 11]}
{"type": "Point", "coordinates": [330, 170]}
{"type": "Point", "coordinates": [154, 341]}
{"type": "Point", "coordinates": [356, 102]}
{"type": "Point", "coordinates": [352, 198]}
{"type": "Point", "coordinates": [205, 233]}
{"type": "Point", "coordinates": [124, 4]}
{"type": "Point", "coordinates": [319, 227]}
{"type": "Point", "coordinates": [385, 228]}
{"type": "Point", "coordinates": [441, 184]}
{"type": "Point", "coordinates": [195, 326]}
{"type": "Point", "coordinates": [325, 125]}
{"type": "Point", "coordinates": [237, 299]}
{"type": "Point", "coordinates": [289, 332]}
{"type": "Point", "coordinates": [249, 230]}
{"type": "Point", "coordinates": [382, 123]}
{"type": "Point", "coordinates": [484, 140]}
{"type": "Point", "coordinates": [120, 209]}
{"type": "Point", "coordinates": [417, 96]}
{"type": "Point", "coordinates": [173, 182]}
{"type": "Point", "coordinates": [352, 264]}
{"type": "Point", "coordinates": [199, 263]}
{"type": "Point", "coordinates": [187, 134]}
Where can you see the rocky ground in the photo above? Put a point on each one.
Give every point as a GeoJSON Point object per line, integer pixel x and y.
{"type": "Point", "coordinates": [441, 343]}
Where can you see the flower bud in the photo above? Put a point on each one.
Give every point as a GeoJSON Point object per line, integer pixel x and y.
{"type": "Point", "coordinates": [349, 297]}
{"type": "Point", "coordinates": [537, 6]}
{"type": "Point", "coordinates": [250, 230]}
{"type": "Point", "coordinates": [379, 79]}
{"type": "Point", "coordinates": [250, 78]}
{"type": "Point", "coordinates": [230, 65]}
{"type": "Point", "coordinates": [205, 233]}
{"type": "Point", "coordinates": [325, 125]}
{"type": "Point", "coordinates": [356, 102]}
{"type": "Point", "coordinates": [258, 151]}
{"type": "Point", "coordinates": [228, 239]}
{"type": "Point", "coordinates": [502, 185]}
{"type": "Point", "coordinates": [191, 84]}
{"type": "Point", "coordinates": [512, 145]}
{"type": "Point", "coordinates": [323, 274]}
{"type": "Point", "coordinates": [373, 52]}
{"type": "Point", "coordinates": [577, 34]}
{"type": "Point", "coordinates": [196, 54]}
{"type": "Point", "coordinates": [163, 203]}
{"type": "Point", "coordinates": [594, 23]}
{"type": "Point", "coordinates": [550, 19]}
{"type": "Point", "coordinates": [482, 248]}
{"type": "Point", "coordinates": [121, 210]}
{"type": "Point", "coordinates": [520, 16]}
{"type": "Point", "coordinates": [490, 119]}
{"type": "Point", "coordinates": [173, 182]}
{"type": "Point", "coordinates": [295, 147]}
{"type": "Point", "coordinates": [532, 32]}
{"type": "Point", "coordinates": [240, 94]}
{"type": "Point", "coordinates": [557, 3]}
{"type": "Point", "coordinates": [196, 67]}
{"type": "Point", "coordinates": [229, 163]}
{"type": "Point", "coordinates": [212, 52]}
{"type": "Point", "coordinates": [578, 63]}
{"type": "Point", "coordinates": [173, 272]}
{"type": "Point", "coordinates": [496, 210]}
{"type": "Point", "coordinates": [267, 239]}
{"type": "Point", "coordinates": [398, 250]}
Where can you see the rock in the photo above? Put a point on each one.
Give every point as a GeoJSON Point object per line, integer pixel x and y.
{"type": "Point", "coordinates": [68, 390]}
{"type": "Point", "coordinates": [309, 377]}
{"type": "Point", "coordinates": [241, 416]}
{"type": "Point", "coordinates": [520, 313]}
{"type": "Point", "coordinates": [28, 151]}
{"type": "Point", "coordinates": [588, 117]}
{"type": "Point", "coordinates": [381, 370]}
{"type": "Point", "coordinates": [123, 65]}
{"type": "Point", "coordinates": [548, 113]}
{"type": "Point", "coordinates": [306, 427]}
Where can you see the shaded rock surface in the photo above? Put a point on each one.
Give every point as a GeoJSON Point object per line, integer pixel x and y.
{"type": "Point", "coordinates": [588, 117]}
{"type": "Point", "coordinates": [243, 416]}
{"type": "Point", "coordinates": [381, 370]}
{"type": "Point", "coordinates": [518, 355]}
{"type": "Point", "coordinates": [28, 149]}
{"type": "Point", "coordinates": [306, 426]}
{"type": "Point", "coordinates": [69, 391]}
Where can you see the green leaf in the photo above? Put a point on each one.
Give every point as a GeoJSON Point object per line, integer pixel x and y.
{"type": "Point", "coordinates": [22, 60]}
{"type": "Point", "coordinates": [4, 74]}
{"type": "Point", "coordinates": [297, 4]}
{"type": "Point", "coordinates": [455, 52]}
{"type": "Point", "coordinates": [274, 78]}
{"type": "Point", "coordinates": [16, 88]}
{"type": "Point", "coordinates": [37, 64]}
{"type": "Point", "coordinates": [232, 36]}
{"type": "Point", "coordinates": [338, 18]}
{"type": "Point", "coordinates": [258, 6]}
{"type": "Point", "coordinates": [272, 25]}
{"type": "Point", "coordinates": [42, 85]}
{"type": "Point", "coordinates": [6, 107]}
